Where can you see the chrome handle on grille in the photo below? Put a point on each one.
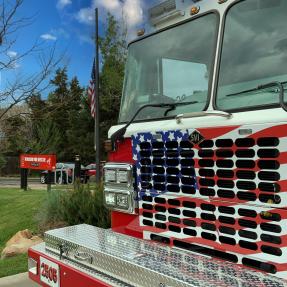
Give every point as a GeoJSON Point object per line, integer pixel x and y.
{"type": "Point", "coordinates": [83, 256]}
{"type": "Point", "coordinates": [203, 114]}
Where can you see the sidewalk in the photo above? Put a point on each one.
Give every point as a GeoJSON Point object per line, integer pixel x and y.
{"type": "Point", "coordinates": [20, 280]}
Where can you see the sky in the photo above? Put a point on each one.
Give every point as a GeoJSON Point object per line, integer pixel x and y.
{"type": "Point", "coordinates": [69, 24]}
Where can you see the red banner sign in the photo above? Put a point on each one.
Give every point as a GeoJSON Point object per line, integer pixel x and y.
{"type": "Point", "coordinates": [38, 161]}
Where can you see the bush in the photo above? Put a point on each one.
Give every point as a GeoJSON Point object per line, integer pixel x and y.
{"type": "Point", "coordinates": [2, 161]}
{"type": "Point", "coordinates": [81, 205]}
{"type": "Point", "coordinates": [51, 215]}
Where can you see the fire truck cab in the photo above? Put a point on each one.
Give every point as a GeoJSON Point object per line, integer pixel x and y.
{"type": "Point", "coordinates": [196, 181]}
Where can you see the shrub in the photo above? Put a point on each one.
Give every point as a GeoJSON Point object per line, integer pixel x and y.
{"type": "Point", "coordinates": [51, 213]}
{"type": "Point", "coordinates": [81, 205]}
{"type": "Point", "coordinates": [2, 161]}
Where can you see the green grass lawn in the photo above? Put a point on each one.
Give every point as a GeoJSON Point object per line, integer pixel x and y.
{"type": "Point", "coordinates": [18, 210]}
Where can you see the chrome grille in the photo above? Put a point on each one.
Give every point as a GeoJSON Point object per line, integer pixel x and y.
{"type": "Point", "coordinates": [222, 198]}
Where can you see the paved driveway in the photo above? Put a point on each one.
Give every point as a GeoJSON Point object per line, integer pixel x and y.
{"type": "Point", "coordinates": [20, 280]}
{"type": "Point", "coordinates": [15, 182]}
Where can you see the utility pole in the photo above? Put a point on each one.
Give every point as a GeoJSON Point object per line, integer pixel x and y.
{"type": "Point", "coordinates": [97, 101]}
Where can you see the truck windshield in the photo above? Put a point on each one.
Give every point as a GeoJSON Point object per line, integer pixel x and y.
{"type": "Point", "coordinates": [254, 53]}
{"type": "Point", "coordinates": [172, 66]}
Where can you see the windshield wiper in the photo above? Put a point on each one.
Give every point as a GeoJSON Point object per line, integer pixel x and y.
{"type": "Point", "coordinates": [170, 107]}
{"type": "Point", "coordinates": [265, 86]}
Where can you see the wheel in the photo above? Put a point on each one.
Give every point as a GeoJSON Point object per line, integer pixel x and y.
{"type": "Point", "coordinates": [43, 179]}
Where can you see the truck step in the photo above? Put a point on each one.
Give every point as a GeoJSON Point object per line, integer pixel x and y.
{"type": "Point", "coordinates": [140, 263]}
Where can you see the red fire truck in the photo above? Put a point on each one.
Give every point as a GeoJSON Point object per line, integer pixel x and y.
{"type": "Point", "coordinates": [196, 180]}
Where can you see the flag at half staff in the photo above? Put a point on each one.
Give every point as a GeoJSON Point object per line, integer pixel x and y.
{"type": "Point", "coordinates": [92, 92]}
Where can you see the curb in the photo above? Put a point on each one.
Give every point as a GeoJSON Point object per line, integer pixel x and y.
{"type": "Point", "coordinates": [17, 280]}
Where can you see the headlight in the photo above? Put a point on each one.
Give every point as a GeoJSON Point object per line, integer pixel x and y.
{"type": "Point", "coordinates": [110, 175]}
{"type": "Point", "coordinates": [123, 201]}
{"type": "Point", "coordinates": [118, 173]}
{"type": "Point", "coordinates": [119, 190]}
{"type": "Point", "coordinates": [122, 176]}
{"type": "Point", "coordinates": [110, 199]}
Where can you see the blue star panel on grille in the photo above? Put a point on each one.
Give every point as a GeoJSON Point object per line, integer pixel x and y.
{"type": "Point", "coordinates": [164, 163]}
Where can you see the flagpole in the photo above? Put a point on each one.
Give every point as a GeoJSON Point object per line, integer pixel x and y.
{"type": "Point", "coordinates": [97, 100]}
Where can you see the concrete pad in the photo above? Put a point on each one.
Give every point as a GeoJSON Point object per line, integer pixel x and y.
{"type": "Point", "coordinates": [19, 280]}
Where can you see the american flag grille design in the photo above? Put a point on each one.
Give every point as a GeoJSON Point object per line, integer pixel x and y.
{"type": "Point", "coordinates": [225, 197]}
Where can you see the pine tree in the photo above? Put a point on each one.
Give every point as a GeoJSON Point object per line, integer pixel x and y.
{"type": "Point", "coordinates": [80, 134]}
{"type": "Point", "coordinates": [113, 52]}
{"type": "Point", "coordinates": [58, 109]}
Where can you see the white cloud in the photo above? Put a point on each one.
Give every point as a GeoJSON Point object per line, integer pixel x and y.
{"type": "Point", "coordinates": [12, 54]}
{"type": "Point", "coordinates": [48, 37]}
{"type": "Point", "coordinates": [109, 4]}
{"type": "Point", "coordinates": [60, 33]}
{"type": "Point", "coordinates": [15, 65]}
{"type": "Point", "coordinates": [133, 12]}
{"type": "Point", "coordinates": [86, 16]}
{"type": "Point", "coordinates": [55, 34]}
{"type": "Point", "coordinates": [130, 9]}
{"type": "Point", "coordinates": [63, 3]}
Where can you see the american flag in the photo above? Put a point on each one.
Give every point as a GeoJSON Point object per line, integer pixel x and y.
{"type": "Point", "coordinates": [91, 92]}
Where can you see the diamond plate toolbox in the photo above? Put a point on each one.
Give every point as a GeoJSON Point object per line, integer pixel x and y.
{"type": "Point", "coordinates": [144, 264]}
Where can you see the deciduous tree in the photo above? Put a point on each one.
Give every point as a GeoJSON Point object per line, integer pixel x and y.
{"type": "Point", "coordinates": [21, 87]}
